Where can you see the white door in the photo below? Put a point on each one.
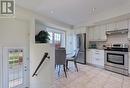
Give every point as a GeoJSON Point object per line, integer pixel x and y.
{"type": "Point", "coordinates": [14, 67]}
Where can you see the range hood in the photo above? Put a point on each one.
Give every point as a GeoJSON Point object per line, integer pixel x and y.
{"type": "Point", "coordinates": [122, 31]}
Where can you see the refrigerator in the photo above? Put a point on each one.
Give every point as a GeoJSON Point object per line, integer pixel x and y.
{"type": "Point", "coordinates": [81, 45]}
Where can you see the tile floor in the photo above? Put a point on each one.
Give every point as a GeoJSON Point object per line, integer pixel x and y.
{"type": "Point", "coordinates": [91, 77]}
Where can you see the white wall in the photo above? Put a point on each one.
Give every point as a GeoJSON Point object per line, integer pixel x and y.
{"type": "Point", "coordinates": [0, 66]}
{"type": "Point", "coordinates": [14, 33]}
{"type": "Point", "coordinates": [45, 75]}
{"type": "Point", "coordinates": [39, 27]}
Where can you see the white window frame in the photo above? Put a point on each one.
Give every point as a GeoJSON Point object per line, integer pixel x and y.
{"type": "Point", "coordinates": [55, 30]}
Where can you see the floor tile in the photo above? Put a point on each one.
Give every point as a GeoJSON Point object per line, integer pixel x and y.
{"type": "Point", "coordinates": [90, 77]}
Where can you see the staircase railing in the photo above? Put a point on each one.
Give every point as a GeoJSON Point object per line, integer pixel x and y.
{"type": "Point", "coordinates": [41, 62]}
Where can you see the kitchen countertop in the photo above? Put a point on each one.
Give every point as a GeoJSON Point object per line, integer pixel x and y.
{"type": "Point", "coordinates": [95, 49]}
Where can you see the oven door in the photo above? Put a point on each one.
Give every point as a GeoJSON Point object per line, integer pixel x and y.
{"type": "Point", "coordinates": [117, 59]}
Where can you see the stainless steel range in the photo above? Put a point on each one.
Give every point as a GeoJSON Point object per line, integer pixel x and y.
{"type": "Point", "coordinates": [116, 58]}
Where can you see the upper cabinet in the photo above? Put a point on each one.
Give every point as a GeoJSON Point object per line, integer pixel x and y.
{"type": "Point", "coordinates": [122, 25]}
{"type": "Point", "coordinates": [97, 33]}
{"type": "Point", "coordinates": [102, 33]}
{"type": "Point", "coordinates": [117, 25]}
{"type": "Point", "coordinates": [111, 26]}
{"type": "Point", "coordinates": [91, 34]}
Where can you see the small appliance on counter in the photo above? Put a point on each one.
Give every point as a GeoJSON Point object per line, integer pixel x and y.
{"type": "Point", "coordinates": [116, 58]}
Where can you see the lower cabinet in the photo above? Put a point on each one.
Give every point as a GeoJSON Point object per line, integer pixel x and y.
{"type": "Point", "coordinates": [95, 57]}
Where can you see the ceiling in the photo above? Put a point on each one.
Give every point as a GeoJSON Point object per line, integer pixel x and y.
{"type": "Point", "coordinates": [73, 12]}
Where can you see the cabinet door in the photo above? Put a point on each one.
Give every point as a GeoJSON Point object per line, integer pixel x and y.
{"type": "Point", "coordinates": [111, 27]}
{"type": "Point", "coordinates": [89, 56]}
{"type": "Point", "coordinates": [122, 25]}
{"type": "Point", "coordinates": [98, 57]}
{"type": "Point", "coordinates": [96, 35]}
{"type": "Point", "coordinates": [102, 33]}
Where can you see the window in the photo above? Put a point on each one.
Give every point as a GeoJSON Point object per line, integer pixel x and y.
{"type": "Point", "coordinates": [51, 37]}
{"type": "Point", "coordinates": [15, 65]}
{"type": "Point", "coordinates": [56, 37]}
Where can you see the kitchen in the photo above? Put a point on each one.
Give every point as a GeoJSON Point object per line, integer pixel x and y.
{"type": "Point", "coordinates": [111, 33]}
{"type": "Point", "coordinates": [110, 37]}
{"type": "Point", "coordinates": [104, 27]}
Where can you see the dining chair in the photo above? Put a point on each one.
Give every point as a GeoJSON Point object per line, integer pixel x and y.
{"type": "Point", "coordinates": [60, 59]}
{"type": "Point", "coordinates": [73, 59]}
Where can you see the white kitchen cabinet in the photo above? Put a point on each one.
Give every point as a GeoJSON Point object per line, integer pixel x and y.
{"type": "Point", "coordinates": [102, 33]}
{"type": "Point", "coordinates": [97, 33]}
{"type": "Point", "coordinates": [122, 25]}
{"type": "Point", "coordinates": [98, 57]}
{"type": "Point", "coordinates": [95, 57]}
{"type": "Point", "coordinates": [118, 25]}
{"type": "Point", "coordinates": [91, 34]}
{"type": "Point", "coordinates": [111, 26]}
{"type": "Point", "coordinates": [89, 56]}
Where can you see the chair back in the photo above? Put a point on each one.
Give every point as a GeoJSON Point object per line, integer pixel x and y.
{"type": "Point", "coordinates": [76, 54]}
{"type": "Point", "coordinates": [60, 56]}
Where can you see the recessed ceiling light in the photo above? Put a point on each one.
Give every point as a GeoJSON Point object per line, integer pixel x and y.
{"type": "Point", "coordinates": [51, 11]}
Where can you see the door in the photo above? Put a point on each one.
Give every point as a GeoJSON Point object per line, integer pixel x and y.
{"type": "Point", "coordinates": [14, 69]}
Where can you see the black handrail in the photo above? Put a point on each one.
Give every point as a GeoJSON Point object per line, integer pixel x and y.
{"type": "Point", "coordinates": [44, 57]}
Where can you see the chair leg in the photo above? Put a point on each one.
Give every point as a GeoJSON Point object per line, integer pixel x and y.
{"type": "Point", "coordinates": [59, 70]}
{"type": "Point", "coordinates": [67, 65]}
{"type": "Point", "coordinates": [65, 70]}
{"type": "Point", "coordinates": [75, 63]}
